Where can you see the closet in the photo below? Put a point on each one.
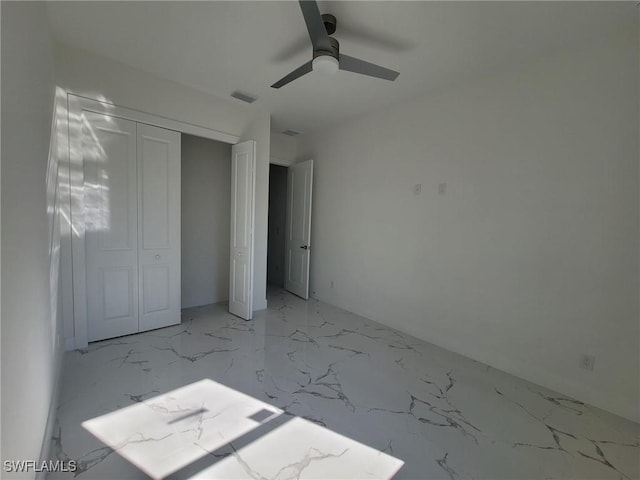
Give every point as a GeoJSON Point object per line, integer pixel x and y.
{"type": "Point", "coordinates": [123, 248]}
{"type": "Point", "coordinates": [131, 207]}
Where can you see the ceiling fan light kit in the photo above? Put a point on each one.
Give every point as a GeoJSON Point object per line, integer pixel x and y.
{"type": "Point", "coordinates": [327, 58]}
{"type": "Point", "coordinates": [325, 65]}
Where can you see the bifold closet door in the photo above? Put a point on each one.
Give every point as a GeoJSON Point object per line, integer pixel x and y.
{"type": "Point", "coordinates": [111, 225]}
{"type": "Point", "coordinates": [159, 226]}
{"type": "Point", "coordinates": [131, 199]}
{"type": "Point", "coordinates": [243, 185]}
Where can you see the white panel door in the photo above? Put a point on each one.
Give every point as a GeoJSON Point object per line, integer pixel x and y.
{"type": "Point", "coordinates": [158, 226]}
{"type": "Point", "coordinates": [242, 218]}
{"type": "Point", "coordinates": [298, 235]}
{"type": "Point", "coordinates": [110, 210]}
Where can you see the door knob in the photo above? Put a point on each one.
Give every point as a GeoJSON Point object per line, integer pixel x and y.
{"type": "Point", "coordinates": [157, 257]}
{"type": "Point", "coordinates": [305, 247]}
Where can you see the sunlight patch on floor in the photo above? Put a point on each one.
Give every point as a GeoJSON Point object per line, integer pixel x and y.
{"type": "Point", "coordinates": [237, 435]}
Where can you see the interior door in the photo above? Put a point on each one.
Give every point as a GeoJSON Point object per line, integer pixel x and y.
{"type": "Point", "coordinates": [158, 226]}
{"type": "Point", "coordinates": [298, 235]}
{"type": "Point", "coordinates": [243, 160]}
{"type": "Point", "coordinates": [111, 238]}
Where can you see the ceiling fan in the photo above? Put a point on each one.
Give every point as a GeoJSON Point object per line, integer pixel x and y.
{"type": "Point", "coordinates": [326, 50]}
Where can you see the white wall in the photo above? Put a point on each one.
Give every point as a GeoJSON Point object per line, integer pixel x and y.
{"type": "Point", "coordinates": [101, 78]}
{"type": "Point", "coordinates": [277, 224]}
{"type": "Point", "coordinates": [284, 149]}
{"type": "Point", "coordinates": [205, 220]}
{"type": "Point", "coordinates": [31, 340]}
{"type": "Point", "coordinates": [256, 131]}
{"type": "Point", "coordinates": [530, 258]}
{"type": "Point", "coordinates": [104, 79]}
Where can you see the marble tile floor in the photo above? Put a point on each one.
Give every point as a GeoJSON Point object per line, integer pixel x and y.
{"type": "Point", "coordinates": [445, 416]}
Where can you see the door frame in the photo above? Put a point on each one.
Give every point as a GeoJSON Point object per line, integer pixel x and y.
{"type": "Point", "coordinates": [76, 299]}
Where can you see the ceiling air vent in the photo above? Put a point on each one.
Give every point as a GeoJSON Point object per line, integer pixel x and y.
{"type": "Point", "coordinates": [291, 133]}
{"type": "Point", "coordinates": [243, 96]}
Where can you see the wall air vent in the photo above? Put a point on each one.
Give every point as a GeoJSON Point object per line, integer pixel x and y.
{"type": "Point", "coordinates": [291, 133]}
{"type": "Point", "coordinates": [243, 96]}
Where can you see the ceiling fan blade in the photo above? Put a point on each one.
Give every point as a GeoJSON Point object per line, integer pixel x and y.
{"type": "Point", "coordinates": [297, 73]}
{"type": "Point", "coordinates": [297, 47]}
{"type": "Point", "coordinates": [315, 25]}
{"type": "Point", "coordinates": [355, 65]}
{"type": "Point", "coordinates": [355, 34]}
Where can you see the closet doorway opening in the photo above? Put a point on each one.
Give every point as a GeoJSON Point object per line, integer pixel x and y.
{"type": "Point", "coordinates": [205, 221]}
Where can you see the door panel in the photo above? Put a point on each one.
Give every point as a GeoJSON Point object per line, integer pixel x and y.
{"type": "Point", "coordinates": [159, 212]}
{"type": "Point", "coordinates": [298, 236]}
{"type": "Point", "coordinates": [118, 284]}
{"type": "Point", "coordinates": [157, 286]}
{"type": "Point", "coordinates": [109, 197]}
{"type": "Point", "coordinates": [242, 218]}
{"type": "Point", "coordinates": [155, 198]}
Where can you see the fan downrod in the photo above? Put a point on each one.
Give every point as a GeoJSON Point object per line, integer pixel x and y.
{"type": "Point", "coordinates": [330, 23]}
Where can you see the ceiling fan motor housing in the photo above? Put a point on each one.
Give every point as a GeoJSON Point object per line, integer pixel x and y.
{"type": "Point", "coordinates": [334, 52]}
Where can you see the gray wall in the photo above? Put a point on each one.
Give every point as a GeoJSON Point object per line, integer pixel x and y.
{"type": "Point", "coordinates": [206, 204]}
{"type": "Point", "coordinates": [277, 221]}
{"type": "Point", "coordinates": [31, 340]}
{"type": "Point", "coordinates": [529, 258]}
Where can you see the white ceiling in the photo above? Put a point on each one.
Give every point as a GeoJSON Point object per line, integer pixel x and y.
{"type": "Point", "coordinates": [218, 47]}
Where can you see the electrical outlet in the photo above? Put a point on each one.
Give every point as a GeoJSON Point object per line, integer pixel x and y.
{"type": "Point", "coordinates": [588, 362]}
{"type": "Point", "coordinates": [442, 188]}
